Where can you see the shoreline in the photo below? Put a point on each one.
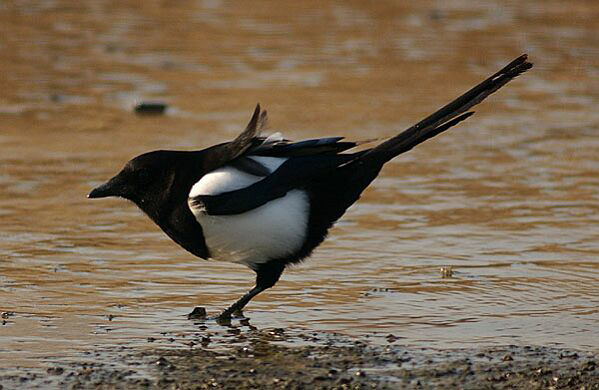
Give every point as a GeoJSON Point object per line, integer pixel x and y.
{"type": "Point", "coordinates": [274, 358]}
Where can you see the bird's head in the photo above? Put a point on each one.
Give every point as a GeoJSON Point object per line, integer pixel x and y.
{"type": "Point", "coordinates": [145, 180]}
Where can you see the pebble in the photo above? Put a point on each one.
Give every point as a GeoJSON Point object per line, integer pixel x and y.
{"type": "Point", "coordinates": [55, 370]}
{"type": "Point", "coordinates": [161, 362]}
{"type": "Point", "coordinates": [150, 108]}
{"type": "Point", "coordinates": [197, 313]}
{"type": "Point", "coordinates": [446, 272]}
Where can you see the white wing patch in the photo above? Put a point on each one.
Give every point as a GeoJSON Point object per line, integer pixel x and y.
{"type": "Point", "coordinates": [227, 178]}
{"type": "Point", "coordinates": [273, 230]}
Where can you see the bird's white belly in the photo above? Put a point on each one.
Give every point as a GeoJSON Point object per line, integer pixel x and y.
{"type": "Point", "coordinates": [271, 231]}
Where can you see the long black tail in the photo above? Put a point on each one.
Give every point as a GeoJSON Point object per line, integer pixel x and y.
{"type": "Point", "coordinates": [449, 115]}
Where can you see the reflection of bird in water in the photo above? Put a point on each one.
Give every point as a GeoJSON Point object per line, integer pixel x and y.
{"type": "Point", "coordinates": [267, 202]}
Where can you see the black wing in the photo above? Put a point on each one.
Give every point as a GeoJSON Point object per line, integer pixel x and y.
{"type": "Point", "coordinates": [267, 147]}
{"type": "Point", "coordinates": [295, 173]}
{"type": "Point", "coordinates": [249, 143]}
{"type": "Point", "coordinates": [286, 148]}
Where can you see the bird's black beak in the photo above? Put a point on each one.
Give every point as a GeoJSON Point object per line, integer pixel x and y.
{"type": "Point", "coordinates": [113, 187]}
{"type": "Point", "coordinates": [101, 191]}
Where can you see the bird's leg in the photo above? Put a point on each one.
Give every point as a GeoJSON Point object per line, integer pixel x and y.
{"type": "Point", "coordinates": [267, 275]}
{"type": "Point", "coordinates": [241, 302]}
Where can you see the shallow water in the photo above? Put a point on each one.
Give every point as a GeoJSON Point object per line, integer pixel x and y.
{"type": "Point", "coordinates": [509, 200]}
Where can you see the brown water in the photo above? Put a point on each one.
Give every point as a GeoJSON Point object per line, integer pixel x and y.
{"type": "Point", "coordinates": [509, 200]}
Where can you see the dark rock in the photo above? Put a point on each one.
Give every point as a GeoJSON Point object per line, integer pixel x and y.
{"type": "Point", "coordinates": [197, 313]}
{"type": "Point", "coordinates": [55, 370]}
{"type": "Point", "coordinates": [162, 362]}
{"type": "Point", "coordinates": [150, 108]}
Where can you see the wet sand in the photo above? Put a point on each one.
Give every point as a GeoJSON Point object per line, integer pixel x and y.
{"type": "Point", "coordinates": [257, 359]}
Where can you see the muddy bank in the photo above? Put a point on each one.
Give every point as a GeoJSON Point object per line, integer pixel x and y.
{"type": "Point", "coordinates": [277, 359]}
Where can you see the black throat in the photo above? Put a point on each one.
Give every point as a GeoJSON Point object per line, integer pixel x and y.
{"type": "Point", "coordinates": [168, 207]}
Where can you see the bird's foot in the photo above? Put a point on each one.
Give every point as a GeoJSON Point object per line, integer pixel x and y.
{"type": "Point", "coordinates": [224, 318]}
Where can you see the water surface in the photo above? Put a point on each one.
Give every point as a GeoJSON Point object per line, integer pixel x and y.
{"type": "Point", "coordinates": [509, 199]}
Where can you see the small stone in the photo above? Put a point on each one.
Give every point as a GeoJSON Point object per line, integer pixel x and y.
{"type": "Point", "coordinates": [344, 380]}
{"type": "Point", "coordinates": [542, 371]}
{"type": "Point", "coordinates": [507, 358]}
{"type": "Point", "coordinates": [446, 272]}
{"type": "Point", "coordinates": [564, 355]}
{"type": "Point", "coordinates": [56, 98]}
{"type": "Point", "coordinates": [162, 362]}
{"type": "Point", "coordinates": [197, 313]}
{"type": "Point", "coordinates": [150, 108]}
{"type": "Point", "coordinates": [55, 370]}
{"type": "Point", "coordinates": [589, 366]}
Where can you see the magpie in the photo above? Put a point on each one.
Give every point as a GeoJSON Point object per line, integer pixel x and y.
{"type": "Point", "coordinates": [267, 202]}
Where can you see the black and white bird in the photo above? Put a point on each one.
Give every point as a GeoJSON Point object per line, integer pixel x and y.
{"type": "Point", "coordinates": [267, 202]}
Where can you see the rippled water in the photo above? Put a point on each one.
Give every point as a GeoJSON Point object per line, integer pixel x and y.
{"type": "Point", "coordinates": [509, 199]}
